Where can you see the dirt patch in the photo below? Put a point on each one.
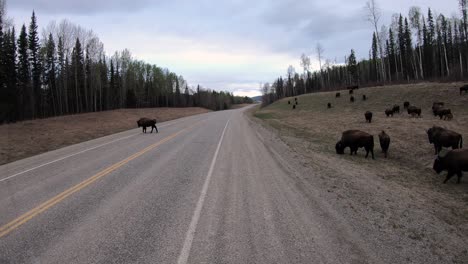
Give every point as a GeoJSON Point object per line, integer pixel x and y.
{"type": "Point", "coordinates": [399, 203]}
{"type": "Point", "coordinates": [29, 138]}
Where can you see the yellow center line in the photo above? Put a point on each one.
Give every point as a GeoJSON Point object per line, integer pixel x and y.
{"type": "Point", "coordinates": [7, 228]}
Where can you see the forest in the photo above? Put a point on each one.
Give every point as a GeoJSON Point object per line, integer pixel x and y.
{"type": "Point", "coordinates": [422, 46]}
{"type": "Point", "coordinates": [64, 70]}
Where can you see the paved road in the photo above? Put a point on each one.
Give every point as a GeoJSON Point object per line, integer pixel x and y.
{"type": "Point", "coordinates": [206, 189]}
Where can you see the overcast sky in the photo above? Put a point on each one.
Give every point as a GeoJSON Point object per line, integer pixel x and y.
{"type": "Point", "coordinates": [224, 45]}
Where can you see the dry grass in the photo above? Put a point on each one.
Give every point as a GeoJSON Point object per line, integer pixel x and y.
{"type": "Point", "coordinates": [401, 193]}
{"type": "Point", "coordinates": [29, 138]}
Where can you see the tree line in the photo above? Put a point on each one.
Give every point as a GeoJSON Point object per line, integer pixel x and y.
{"type": "Point", "coordinates": [66, 71]}
{"type": "Point", "coordinates": [413, 48]}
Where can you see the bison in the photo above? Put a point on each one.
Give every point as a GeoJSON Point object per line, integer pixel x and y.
{"type": "Point", "coordinates": [389, 112]}
{"type": "Point", "coordinates": [413, 110]}
{"type": "Point", "coordinates": [351, 91]}
{"type": "Point", "coordinates": [364, 97]}
{"type": "Point", "coordinates": [289, 102]}
{"type": "Point", "coordinates": [384, 140]}
{"type": "Point", "coordinates": [337, 95]}
{"type": "Point", "coordinates": [146, 122]}
{"type": "Point", "coordinates": [368, 116]}
{"type": "Point", "coordinates": [436, 106]}
{"type": "Point", "coordinates": [406, 104]}
{"type": "Point", "coordinates": [442, 113]}
{"type": "Point", "coordinates": [351, 99]}
{"type": "Point", "coordinates": [442, 137]}
{"type": "Point", "coordinates": [328, 105]}
{"type": "Point", "coordinates": [455, 162]}
{"type": "Point", "coordinates": [396, 109]}
{"type": "Point", "coordinates": [294, 106]}
{"type": "Point", "coordinates": [449, 116]}
{"type": "Point", "coordinates": [464, 88]}
{"type": "Point", "coordinates": [355, 139]}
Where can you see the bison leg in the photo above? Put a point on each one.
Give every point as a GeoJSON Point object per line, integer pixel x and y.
{"type": "Point", "coordinates": [459, 174]}
{"type": "Point", "coordinates": [156, 128]}
{"type": "Point", "coordinates": [449, 175]}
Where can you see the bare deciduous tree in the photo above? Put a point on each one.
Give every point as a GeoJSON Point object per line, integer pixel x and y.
{"type": "Point", "coordinates": [373, 16]}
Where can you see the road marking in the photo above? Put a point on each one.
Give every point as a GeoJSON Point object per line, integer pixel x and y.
{"type": "Point", "coordinates": [74, 154]}
{"type": "Point", "coordinates": [185, 252]}
{"type": "Point", "coordinates": [7, 228]}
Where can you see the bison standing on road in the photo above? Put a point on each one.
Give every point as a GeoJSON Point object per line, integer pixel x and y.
{"type": "Point", "coordinates": [368, 116]}
{"type": "Point", "coordinates": [384, 140]}
{"type": "Point", "coordinates": [355, 139]}
{"type": "Point", "coordinates": [406, 105]}
{"type": "Point", "coordinates": [464, 88]}
{"type": "Point", "coordinates": [455, 162]}
{"type": "Point", "coordinates": [413, 110]}
{"type": "Point", "coordinates": [442, 137]}
{"type": "Point", "coordinates": [146, 122]}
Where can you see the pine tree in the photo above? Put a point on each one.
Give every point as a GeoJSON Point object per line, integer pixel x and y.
{"type": "Point", "coordinates": [352, 67]}
{"type": "Point", "coordinates": [25, 92]}
{"type": "Point", "coordinates": [50, 77]}
{"type": "Point", "coordinates": [35, 64]}
{"type": "Point", "coordinates": [78, 77]}
{"type": "Point", "coordinates": [10, 74]}
{"type": "Point", "coordinates": [410, 63]}
{"type": "Point", "coordinates": [402, 46]}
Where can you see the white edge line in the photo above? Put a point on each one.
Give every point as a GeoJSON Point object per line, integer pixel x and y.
{"type": "Point", "coordinates": [74, 154]}
{"type": "Point", "coordinates": [185, 252]}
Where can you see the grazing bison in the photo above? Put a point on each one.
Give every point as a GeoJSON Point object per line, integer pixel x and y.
{"type": "Point", "coordinates": [455, 162]}
{"type": "Point", "coordinates": [389, 112]}
{"type": "Point", "coordinates": [442, 113]}
{"type": "Point", "coordinates": [355, 139]}
{"type": "Point", "coordinates": [368, 116]}
{"type": "Point", "coordinates": [413, 110]}
{"type": "Point", "coordinates": [337, 95]}
{"type": "Point", "coordinates": [464, 88]}
{"type": "Point", "coordinates": [396, 109]}
{"type": "Point", "coordinates": [351, 99]}
{"type": "Point", "coordinates": [364, 97]}
{"type": "Point", "coordinates": [406, 104]}
{"type": "Point", "coordinates": [384, 140]}
{"type": "Point", "coordinates": [146, 122]}
{"type": "Point", "coordinates": [351, 91]}
{"type": "Point", "coordinates": [328, 105]}
{"type": "Point", "coordinates": [442, 137]}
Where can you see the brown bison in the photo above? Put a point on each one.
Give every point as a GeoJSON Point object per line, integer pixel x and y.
{"type": "Point", "coordinates": [289, 102]}
{"type": "Point", "coordinates": [449, 116]}
{"type": "Point", "coordinates": [384, 140]}
{"type": "Point", "coordinates": [328, 105]}
{"type": "Point", "coordinates": [337, 95]}
{"type": "Point", "coordinates": [294, 106]}
{"type": "Point", "coordinates": [368, 116]}
{"type": "Point", "coordinates": [413, 110]}
{"type": "Point", "coordinates": [364, 97]}
{"type": "Point", "coordinates": [442, 113]}
{"type": "Point", "coordinates": [442, 137]}
{"type": "Point", "coordinates": [351, 99]}
{"type": "Point", "coordinates": [146, 122]}
{"type": "Point", "coordinates": [396, 109]}
{"type": "Point", "coordinates": [351, 91]}
{"type": "Point", "coordinates": [455, 162]}
{"type": "Point", "coordinates": [436, 106]}
{"type": "Point", "coordinates": [406, 104]}
{"type": "Point", "coordinates": [355, 139]}
{"type": "Point", "coordinates": [389, 112]}
{"type": "Point", "coordinates": [464, 88]}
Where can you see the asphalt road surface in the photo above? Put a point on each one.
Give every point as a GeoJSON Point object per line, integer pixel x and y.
{"type": "Point", "coordinates": [206, 189]}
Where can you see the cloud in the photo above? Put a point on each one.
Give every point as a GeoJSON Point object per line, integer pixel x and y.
{"type": "Point", "coordinates": [84, 7]}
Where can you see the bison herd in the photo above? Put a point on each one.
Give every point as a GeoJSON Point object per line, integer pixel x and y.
{"type": "Point", "coordinates": [455, 161]}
